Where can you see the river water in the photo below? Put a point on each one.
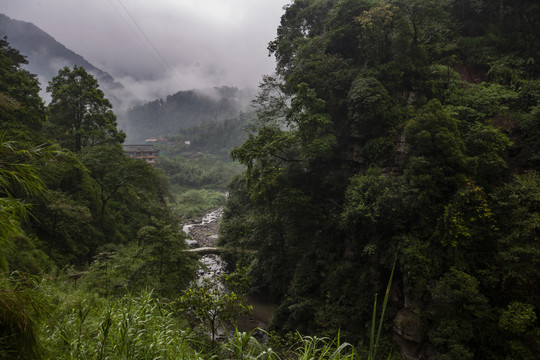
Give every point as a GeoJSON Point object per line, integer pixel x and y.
{"type": "Point", "coordinates": [203, 233]}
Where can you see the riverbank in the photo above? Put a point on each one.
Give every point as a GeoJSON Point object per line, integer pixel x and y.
{"type": "Point", "coordinates": [203, 233]}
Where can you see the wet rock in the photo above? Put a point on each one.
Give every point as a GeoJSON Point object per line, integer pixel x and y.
{"type": "Point", "coordinates": [204, 231]}
{"type": "Point", "coordinates": [408, 325]}
{"type": "Point", "coordinates": [213, 265]}
{"type": "Point", "coordinates": [410, 335]}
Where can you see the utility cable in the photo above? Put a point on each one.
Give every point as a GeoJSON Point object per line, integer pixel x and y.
{"type": "Point", "coordinates": [134, 32]}
{"type": "Point", "coordinates": [170, 68]}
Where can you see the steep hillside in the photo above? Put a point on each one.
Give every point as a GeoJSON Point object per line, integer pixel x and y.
{"type": "Point", "coordinates": [158, 118]}
{"type": "Point", "coordinates": [399, 132]}
{"type": "Point", "coordinates": [46, 55]}
{"type": "Point", "coordinates": [182, 110]}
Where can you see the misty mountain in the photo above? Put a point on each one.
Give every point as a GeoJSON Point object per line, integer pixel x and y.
{"type": "Point", "coordinates": [46, 56]}
{"type": "Point", "coordinates": [158, 118]}
{"type": "Point", "coordinates": [184, 109]}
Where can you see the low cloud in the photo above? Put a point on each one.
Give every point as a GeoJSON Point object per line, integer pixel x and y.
{"type": "Point", "coordinates": [199, 43]}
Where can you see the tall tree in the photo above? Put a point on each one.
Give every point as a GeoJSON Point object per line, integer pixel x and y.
{"type": "Point", "coordinates": [113, 171]}
{"type": "Point", "coordinates": [391, 128]}
{"type": "Point", "coordinates": [20, 104]}
{"type": "Point", "coordinates": [166, 265]}
{"type": "Point", "coordinates": [80, 115]}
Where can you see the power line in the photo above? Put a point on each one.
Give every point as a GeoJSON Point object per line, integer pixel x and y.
{"type": "Point", "coordinates": [134, 32]}
{"type": "Point", "coordinates": [147, 39]}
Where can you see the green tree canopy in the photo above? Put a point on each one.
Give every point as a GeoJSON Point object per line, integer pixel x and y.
{"type": "Point", "coordinates": [391, 127]}
{"type": "Point", "coordinates": [80, 115]}
{"type": "Point", "coordinates": [20, 104]}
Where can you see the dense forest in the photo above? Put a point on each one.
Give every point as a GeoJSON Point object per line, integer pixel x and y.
{"type": "Point", "coordinates": [71, 205]}
{"type": "Point", "coordinates": [406, 131]}
{"type": "Point", "coordinates": [198, 165]}
{"type": "Point", "coordinates": [184, 109]}
{"type": "Point", "coordinates": [215, 137]}
{"type": "Point", "coordinates": [387, 198]}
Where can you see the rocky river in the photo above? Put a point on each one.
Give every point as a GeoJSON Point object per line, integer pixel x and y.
{"type": "Point", "coordinates": [203, 233]}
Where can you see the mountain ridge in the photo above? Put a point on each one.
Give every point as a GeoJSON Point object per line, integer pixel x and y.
{"type": "Point", "coordinates": [185, 109]}
{"type": "Point", "coordinates": [139, 119]}
{"type": "Point", "coordinates": [46, 56]}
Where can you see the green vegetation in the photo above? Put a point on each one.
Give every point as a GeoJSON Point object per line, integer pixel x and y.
{"type": "Point", "coordinates": [398, 140]}
{"type": "Point", "coordinates": [92, 258]}
{"type": "Point", "coordinates": [80, 115]}
{"type": "Point", "coordinates": [16, 179]}
{"type": "Point", "coordinates": [217, 138]}
{"type": "Point", "coordinates": [398, 128]}
{"type": "Point", "coordinates": [182, 110]}
{"type": "Point", "coordinates": [197, 184]}
{"type": "Point", "coordinates": [216, 302]}
{"type": "Point", "coordinates": [199, 172]}
{"type": "Point", "coordinates": [64, 318]}
{"type": "Point", "coordinates": [70, 199]}
{"type": "Point", "coordinates": [194, 203]}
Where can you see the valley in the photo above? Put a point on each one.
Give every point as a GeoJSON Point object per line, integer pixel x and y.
{"type": "Point", "coordinates": [377, 198]}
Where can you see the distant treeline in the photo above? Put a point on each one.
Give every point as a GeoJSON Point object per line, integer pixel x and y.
{"type": "Point", "coordinates": [217, 138]}
{"type": "Point", "coordinates": [184, 109]}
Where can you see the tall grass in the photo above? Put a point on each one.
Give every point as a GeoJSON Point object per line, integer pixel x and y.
{"type": "Point", "coordinates": [132, 327]}
{"type": "Point", "coordinates": [374, 339]}
{"type": "Point", "coordinates": [83, 325]}
{"type": "Point", "coordinates": [21, 312]}
{"type": "Point", "coordinates": [324, 348]}
{"type": "Point", "coordinates": [243, 346]}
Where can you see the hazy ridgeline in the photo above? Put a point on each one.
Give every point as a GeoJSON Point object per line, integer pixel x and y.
{"type": "Point", "coordinates": [397, 140]}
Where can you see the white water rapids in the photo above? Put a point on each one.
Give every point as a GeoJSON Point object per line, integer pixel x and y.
{"type": "Point", "coordinates": [203, 234]}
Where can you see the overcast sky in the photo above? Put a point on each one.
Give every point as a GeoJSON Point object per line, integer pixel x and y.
{"type": "Point", "coordinates": [199, 43]}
